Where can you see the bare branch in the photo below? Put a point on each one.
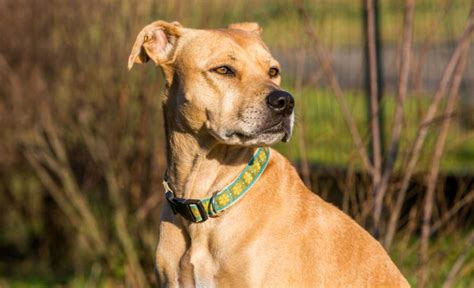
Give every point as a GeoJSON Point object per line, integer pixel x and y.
{"type": "Point", "coordinates": [374, 106]}
{"type": "Point", "coordinates": [462, 45]}
{"type": "Point", "coordinates": [432, 178]}
{"type": "Point", "coordinates": [305, 170]}
{"type": "Point", "coordinates": [449, 282]}
{"type": "Point", "coordinates": [430, 34]}
{"type": "Point", "coordinates": [54, 190]}
{"type": "Point", "coordinates": [148, 205]}
{"type": "Point", "coordinates": [100, 153]}
{"type": "Point", "coordinates": [398, 118]}
{"type": "Point", "coordinates": [468, 199]}
{"type": "Point", "coordinates": [70, 186]}
{"type": "Point", "coordinates": [326, 66]}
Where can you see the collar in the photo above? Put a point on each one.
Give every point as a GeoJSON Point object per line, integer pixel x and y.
{"type": "Point", "coordinates": [199, 210]}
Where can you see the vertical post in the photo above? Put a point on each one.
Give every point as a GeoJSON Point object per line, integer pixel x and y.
{"type": "Point", "coordinates": [374, 88]}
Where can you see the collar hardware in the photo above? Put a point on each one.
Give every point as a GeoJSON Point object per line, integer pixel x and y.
{"type": "Point", "coordinates": [212, 205]}
{"type": "Point", "coordinates": [199, 210]}
{"type": "Point", "coordinates": [186, 207]}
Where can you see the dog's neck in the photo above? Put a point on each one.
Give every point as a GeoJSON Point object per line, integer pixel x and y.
{"type": "Point", "coordinates": [198, 165]}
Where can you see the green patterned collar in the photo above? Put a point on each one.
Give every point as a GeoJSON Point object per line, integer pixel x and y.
{"type": "Point", "coordinates": [199, 210]}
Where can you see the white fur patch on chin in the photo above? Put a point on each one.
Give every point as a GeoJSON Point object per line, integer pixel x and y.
{"type": "Point", "coordinates": [287, 138]}
{"type": "Point", "coordinates": [264, 139]}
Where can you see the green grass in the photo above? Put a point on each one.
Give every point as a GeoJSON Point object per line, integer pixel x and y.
{"type": "Point", "coordinates": [443, 252]}
{"type": "Point", "coordinates": [72, 282]}
{"type": "Point", "coordinates": [328, 140]}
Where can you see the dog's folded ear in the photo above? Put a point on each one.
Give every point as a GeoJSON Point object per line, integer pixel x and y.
{"type": "Point", "coordinates": [156, 42]}
{"type": "Point", "coordinates": [252, 27]}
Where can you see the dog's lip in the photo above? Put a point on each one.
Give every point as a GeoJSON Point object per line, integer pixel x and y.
{"type": "Point", "coordinates": [274, 128]}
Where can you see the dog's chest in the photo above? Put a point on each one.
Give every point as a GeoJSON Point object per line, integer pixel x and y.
{"type": "Point", "coordinates": [201, 266]}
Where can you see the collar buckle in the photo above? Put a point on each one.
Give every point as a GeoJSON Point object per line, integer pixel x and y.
{"type": "Point", "coordinates": [184, 207]}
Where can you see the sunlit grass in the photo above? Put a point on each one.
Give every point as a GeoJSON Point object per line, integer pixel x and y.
{"type": "Point", "coordinates": [443, 252]}
{"type": "Point", "coordinates": [328, 140]}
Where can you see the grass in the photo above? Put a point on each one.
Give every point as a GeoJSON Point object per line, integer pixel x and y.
{"type": "Point", "coordinates": [443, 251]}
{"type": "Point", "coordinates": [73, 282]}
{"type": "Point", "coordinates": [329, 143]}
{"type": "Point", "coordinates": [337, 22]}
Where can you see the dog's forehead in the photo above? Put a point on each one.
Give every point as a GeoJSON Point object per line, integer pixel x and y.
{"type": "Point", "coordinates": [203, 45]}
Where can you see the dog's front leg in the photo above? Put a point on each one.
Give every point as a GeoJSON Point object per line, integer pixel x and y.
{"type": "Point", "coordinates": [170, 250]}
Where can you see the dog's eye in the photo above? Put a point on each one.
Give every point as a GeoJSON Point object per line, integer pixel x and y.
{"type": "Point", "coordinates": [224, 70]}
{"type": "Point", "coordinates": [273, 72]}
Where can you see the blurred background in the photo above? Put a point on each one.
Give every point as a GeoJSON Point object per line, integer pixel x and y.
{"type": "Point", "coordinates": [385, 130]}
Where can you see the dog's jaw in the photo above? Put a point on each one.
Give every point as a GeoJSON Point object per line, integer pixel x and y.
{"type": "Point", "coordinates": [253, 135]}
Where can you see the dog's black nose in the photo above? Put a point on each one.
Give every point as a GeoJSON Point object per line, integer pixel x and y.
{"type": "Point", "coordinates": [281, 102]}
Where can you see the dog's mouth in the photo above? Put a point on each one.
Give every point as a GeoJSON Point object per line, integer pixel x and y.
{"type": "Point", "coordinates": [274, 128]}
{"type": "Point", "coordinates": [249, 131]}
{"type": "Point", "coordinates": [279, 131]}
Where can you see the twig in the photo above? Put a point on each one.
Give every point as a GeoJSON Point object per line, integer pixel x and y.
{"type": "Point", "coordinates": [305, 170]}
{"type": "Point", "coordinates": [423, 129]}
{"type": "Point", "coordinates": [432, 31]}
{"type": "Point", "coordinates": [469, 198]}
{"type": "Point", "coordinates": [398, 118]}
{"type": "Point", "coordinates": [148, 205]}
{"type": "Point", "coordinates": [326, 66]}
{"type": "Point", "coordinates": [374, 106]}
{"type": "Point", "coordinates": [54, 190]}
{"type": "Point", "coordinates": [70, 186]}
{"type": "Point", "coordinates": [432, 178]}
{"type": "Point", "coordinates": [459, 261]}
{"type": "Point", "coordinates": [346, 191]}
{"type": "Point", "coordinates": [100, 153]}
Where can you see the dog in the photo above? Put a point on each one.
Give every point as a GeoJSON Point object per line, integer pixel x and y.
{"type": "Point", "coordinates": [236, 212]}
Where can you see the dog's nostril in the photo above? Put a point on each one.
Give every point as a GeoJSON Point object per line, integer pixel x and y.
{"type": "Point", "coordinates": [281, 102]}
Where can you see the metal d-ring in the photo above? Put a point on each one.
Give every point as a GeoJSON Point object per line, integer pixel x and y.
{"type": "Point", "coordinates": [214, 213]}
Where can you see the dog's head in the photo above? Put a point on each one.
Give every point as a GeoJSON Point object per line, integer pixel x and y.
{"type": "Point", "coordinates": [221, 82]}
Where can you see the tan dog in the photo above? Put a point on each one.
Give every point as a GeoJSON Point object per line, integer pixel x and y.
{"type": "Point", "coordinates": [222, 101]}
